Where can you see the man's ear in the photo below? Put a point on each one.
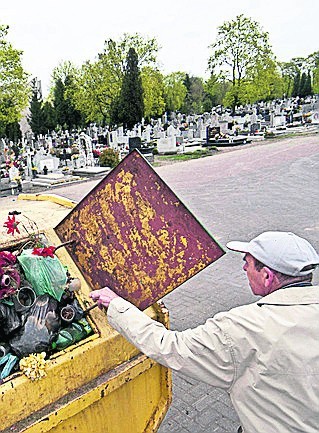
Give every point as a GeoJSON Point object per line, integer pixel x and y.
{"type": "Point", "coordinates": [268, 276]}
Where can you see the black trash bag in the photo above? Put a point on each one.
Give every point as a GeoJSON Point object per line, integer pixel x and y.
{"type": "Point", "coordinates": [40, 327]}
{"type": "Point", "coordinates": [9, 319]}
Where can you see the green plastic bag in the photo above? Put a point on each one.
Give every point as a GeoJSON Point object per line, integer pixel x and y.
{"type": "Point", "coordinates": [46, 274]}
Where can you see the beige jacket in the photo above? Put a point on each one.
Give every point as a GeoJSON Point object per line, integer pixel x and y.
{"type": "Point", "coordinates": [266, 355]}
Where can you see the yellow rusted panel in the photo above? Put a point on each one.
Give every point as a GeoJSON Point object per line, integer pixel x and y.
{"type": "Point", "coordinates": [134, 235]}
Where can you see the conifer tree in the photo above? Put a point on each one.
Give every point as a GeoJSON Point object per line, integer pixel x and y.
{"type": "Point", "coordinates": [296, 86]}
{"type": "Point", "coordinates": [130, 106]}
{"type": "Point", "coordinates": [36, 116]}
{"type": "Point", "coordinates": [302, 86]}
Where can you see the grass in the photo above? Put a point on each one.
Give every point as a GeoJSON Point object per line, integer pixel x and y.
{"type": "Point", "coordinates": [186, 156]}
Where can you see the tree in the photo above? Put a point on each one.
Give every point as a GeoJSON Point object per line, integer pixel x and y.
{"type": "Point", "coordinates": [308, 85]}
{"type": "Point", "coordinates": [240, 46]}
{"type": "Point", "coordinates": [313, 66]}
{"type": "Point", "coordinates": [303, 85]}
{"type": "Point", "coordinates": [288, 73]}
{"type": "Point", "coordinates": [130, 103]}
{"type": "Point", "coordinates": [193, 102]}
{"type": "Point", "coordinates": [263, 83]}
{"type": "Point", "coordinates": [215, 87]}
{"type": "Point", "coordinates": [67, 115]}
{"type": "Point", "coordinates": [146, 50]}
{"type": "Point", "coordinates": [96, 87]}
{"type": "Point", "coordinates": [36, 116]}
{"type": "Point", "coordinates": [296, 85]}
{"type": "Point", "coordinates": [174, 91]}
{"type": "Point", "coordinates": [98, 84]}
{"type": "Point", "coordinates": [49, 116]}
{"type": "Point", "coordinates": [14, 88]}
{"type": "Point", "coordinates": [153, 92]}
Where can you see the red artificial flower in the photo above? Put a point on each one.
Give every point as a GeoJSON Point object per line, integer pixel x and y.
{"type": "Point", "coordinates": [12, 225]}
{"type": "Point", "coordinates": [44, 252]}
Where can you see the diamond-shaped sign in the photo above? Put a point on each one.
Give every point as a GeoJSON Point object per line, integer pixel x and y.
{"type": "Point", "coordinates": [135, 236]}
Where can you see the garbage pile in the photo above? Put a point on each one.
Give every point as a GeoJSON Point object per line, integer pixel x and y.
{"type": "Point", "coordinates": [39, 311]}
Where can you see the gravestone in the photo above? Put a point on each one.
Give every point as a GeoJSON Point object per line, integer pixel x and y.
{"type": "Point", "coordinates": [13, 173]}
{"type": "Point", "coordinates": [211, 133]}
{"type": "Point", "coordinates": [134, 143]}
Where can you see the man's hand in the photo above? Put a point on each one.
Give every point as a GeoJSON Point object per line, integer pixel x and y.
{"type": "Point", "coordinates": [103, 297]}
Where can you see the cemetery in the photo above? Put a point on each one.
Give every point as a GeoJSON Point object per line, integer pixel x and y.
{"type": "Point", "coordinates": [71, 156]}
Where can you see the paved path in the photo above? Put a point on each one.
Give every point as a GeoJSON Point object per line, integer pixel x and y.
{"type": "Point", "coordinates": [236, 195]}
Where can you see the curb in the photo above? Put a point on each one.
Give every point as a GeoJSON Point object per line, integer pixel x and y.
{"type": "Point", "coordinates": [54, 198]}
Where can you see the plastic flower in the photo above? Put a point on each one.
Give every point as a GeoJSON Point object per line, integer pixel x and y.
{"type": "Point", "coordinates": [44, 252]}
{"type": "Point", "coordinates": [12, 225]}
{"type": "Point", "coordinates": [34, 366]}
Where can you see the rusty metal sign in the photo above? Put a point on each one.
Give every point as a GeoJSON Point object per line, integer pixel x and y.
{"type": "Point", "coordinates": [135, 236]}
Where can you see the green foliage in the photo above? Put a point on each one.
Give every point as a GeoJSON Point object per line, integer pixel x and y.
{"type": "Point", "coordinates": [305, 88]}
{"type": "Point", "coordinates": [153, 92]}
{"type": "Point", "coordinates": [98, 84]}
{"type": "Point", "coordinates": [130, 108]}
{"type": "Point", "coordinates": [315, 82]}
{"type": "Point", "coordinates": [66, 114]}
{"type": "Point", "coordinates": [13, 132]}
{"type": "Point", "coordinates": [49, 116]}
{"type": "Point", "coordinates": [288, 72]}
{"type": "Point", "coordinates": [146, 50]}
{"type": "Point", "coordinates": [303, 85]}
{"type": "Point", "coordinates": [36, 116]}
{"type": "Point", "coordinates": [14, 89]}
{"type": "Point", "coordinates": [193, 102]}
{"type": "Point", "coordinates": [109, 158]}
{"type": "Point", "coordinates": [215, 89]}
{"type": "Point", "coordinates": [174, 91]}
{"type": "Point", "coordinates": [241, 46]}
{"type": "Point", "coordinates": [296, 84]}
{"type": "Point", "coordinates": [264, 83]}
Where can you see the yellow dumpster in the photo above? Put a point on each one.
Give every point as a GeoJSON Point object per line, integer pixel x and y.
{"type": "Point", "coordinates": [101, 384]}
{"type": "Point", "coordinates": [132, 234]}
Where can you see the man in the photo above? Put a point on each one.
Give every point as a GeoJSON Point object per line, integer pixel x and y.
{"type": "Point", "coordinates": [266, 354]}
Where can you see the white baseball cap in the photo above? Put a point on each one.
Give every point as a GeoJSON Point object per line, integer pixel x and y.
{"type": "Point", "coordinates": [284, 252]}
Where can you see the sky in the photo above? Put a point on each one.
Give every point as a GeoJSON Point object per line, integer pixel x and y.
{"type": "Point", "coordinates": [49, 33]}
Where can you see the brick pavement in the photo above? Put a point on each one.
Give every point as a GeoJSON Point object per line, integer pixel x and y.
{"type": "Point", "coordinates": [235, 195]}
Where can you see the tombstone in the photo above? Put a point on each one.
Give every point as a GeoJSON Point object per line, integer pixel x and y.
{"type": "Point", "coordinates": [148, 131]}
{"type": "Point", "coordinates": [315, 117]}
{"type": "Point", "coordinates": [113, 140]}
{"type": "Point", "coordinates": [120, 132]}
{"type": "Point", "coordinates": [134, 143]}
{"type": "Point", "coordinates": [211, 133]}
{"type": "Point", "coordinates": [170, 132]}
{"type": "Point", "coordinates": [255, 127]}
{"type": "Point", "coordinates": [156, 131]}
{"type": "Point", "coordinates": [214, 119]}
{"type": "Point", "coordinates": [167, 144]}
{"type": "Point", "coordinates": [13, 173]}
{"type": "Point", "coordinates": [223, 127]}
{"type": "Point", "coordinates": [190, 134]}
{"type": "Point", "coordinates": [139, 130]}
{"type": "Point", "coordinates": [202, 133]}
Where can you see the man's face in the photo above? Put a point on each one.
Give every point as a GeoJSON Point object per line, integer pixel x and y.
{"type": "Point", "coordinates": [255, 277]}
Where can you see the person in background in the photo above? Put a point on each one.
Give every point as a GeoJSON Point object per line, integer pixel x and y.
{"type": "Point", "coordinates": [265, 354]}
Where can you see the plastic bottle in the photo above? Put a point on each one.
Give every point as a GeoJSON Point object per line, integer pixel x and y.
{"type": "Point", "coordinates": [72, 334]}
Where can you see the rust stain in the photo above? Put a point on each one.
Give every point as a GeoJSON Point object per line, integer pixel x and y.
{"type": "Point", "coordinates": [135, 235]}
